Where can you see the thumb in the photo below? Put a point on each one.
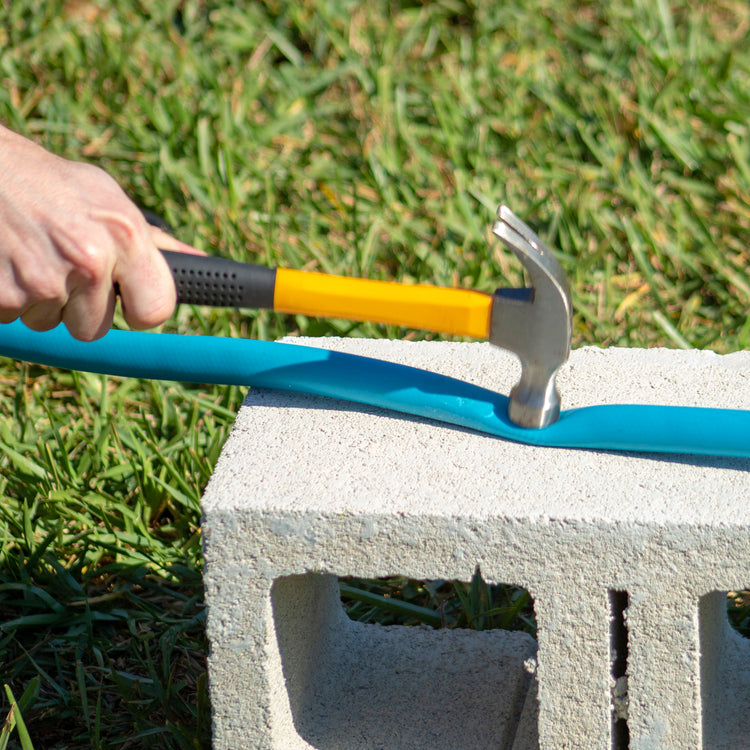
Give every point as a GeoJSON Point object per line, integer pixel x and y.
{"type": "Point", "coordinates": [147, 289]}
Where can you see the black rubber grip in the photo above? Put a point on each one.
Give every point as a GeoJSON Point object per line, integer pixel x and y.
{"type": "Point", "coordinates": [220, 282]}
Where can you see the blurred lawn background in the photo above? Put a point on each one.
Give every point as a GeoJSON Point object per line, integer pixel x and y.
{"type": "Point", "coordinates": [362, 138]}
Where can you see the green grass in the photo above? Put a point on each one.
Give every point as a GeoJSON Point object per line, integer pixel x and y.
{"type": "Point", "coordinates": [371, 139]}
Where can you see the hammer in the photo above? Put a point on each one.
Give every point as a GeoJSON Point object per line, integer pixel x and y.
{"type": "Point", "coordinates": [532, 322]}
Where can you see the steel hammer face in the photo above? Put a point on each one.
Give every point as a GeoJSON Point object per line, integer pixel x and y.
{"type": "Point", "coordinates": [535, 323]}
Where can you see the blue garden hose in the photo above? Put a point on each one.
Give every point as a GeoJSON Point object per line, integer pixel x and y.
{"type": "Point", "coordinates": [289, 367]}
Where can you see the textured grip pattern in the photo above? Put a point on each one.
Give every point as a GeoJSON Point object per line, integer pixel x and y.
{"type": "Point", "coordinates": [207, 287]}
{"type": "Point", "coordinates": [220, 282]}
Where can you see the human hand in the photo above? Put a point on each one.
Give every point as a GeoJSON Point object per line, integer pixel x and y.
{"type": "Point", "coordinates": [68, 234]}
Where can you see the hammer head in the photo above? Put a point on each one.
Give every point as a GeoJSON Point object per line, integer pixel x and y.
{"type": "Point", "coordinates": [535, 323]}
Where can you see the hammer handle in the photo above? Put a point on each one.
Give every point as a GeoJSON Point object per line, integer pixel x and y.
{"type": "Point", "coordinates": [220, 282]}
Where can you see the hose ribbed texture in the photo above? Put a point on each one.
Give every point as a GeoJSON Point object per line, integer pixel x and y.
{"type": "Point", "coordinates": [289, 367]}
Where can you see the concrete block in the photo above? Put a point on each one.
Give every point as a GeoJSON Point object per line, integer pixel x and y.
{"type": "Point", "coordinates": [627, 558]}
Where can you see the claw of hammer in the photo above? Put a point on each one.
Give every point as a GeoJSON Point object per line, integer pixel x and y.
{"type": "Point", "coordinates": [534, 323]}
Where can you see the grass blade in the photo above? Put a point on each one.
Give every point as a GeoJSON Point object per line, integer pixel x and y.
{"type": "Point", "coordinates": [17, 720]}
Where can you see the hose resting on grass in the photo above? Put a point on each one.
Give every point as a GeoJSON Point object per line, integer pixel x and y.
{"type": "Point", "coordinates": [290, 367]}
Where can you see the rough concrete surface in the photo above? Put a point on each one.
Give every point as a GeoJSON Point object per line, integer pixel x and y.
{"type": "Point", "coordinates": [308, 489]}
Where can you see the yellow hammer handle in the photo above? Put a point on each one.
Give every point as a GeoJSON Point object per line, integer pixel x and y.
{"type": "Point", "coordinates": [458, 311]}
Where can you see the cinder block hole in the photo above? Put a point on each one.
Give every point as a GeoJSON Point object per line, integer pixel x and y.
{"type": "Point", "coordinates": [473, 604]}
{"type": "Point", "coordinates": [618, 662]}
{"type": "Point", "coordinates": [738, 610]}
{"type": "Point", "coordinates": [725, 669]}
{"type": "Point", "coordinates": [369, 685]}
